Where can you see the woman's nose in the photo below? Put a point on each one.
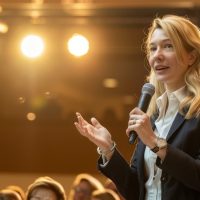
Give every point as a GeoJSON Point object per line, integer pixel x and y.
{"type": "Point", "coordinates": [158, 54]}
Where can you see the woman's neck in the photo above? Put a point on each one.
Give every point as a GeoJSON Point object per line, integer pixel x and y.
{"type": "Point", "coordinates": [173, 88]}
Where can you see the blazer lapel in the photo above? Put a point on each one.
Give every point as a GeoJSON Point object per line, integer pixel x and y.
{"type": "Point", "coordinates": [179, 119]}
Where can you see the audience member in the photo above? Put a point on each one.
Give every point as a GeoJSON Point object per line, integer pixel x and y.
{"type": "Point", "coordinates": [83, 186]}
{"type": "Point", "coordinates": [17, 189]}
{"type": "Point", "coordinates": [45, 188]}
{"type": "Point", "coordinates": [109, 184]}
{"type": "Point", "coordinates": [106, 194]}
{"type": "Point", "coordinates": [7, 194]}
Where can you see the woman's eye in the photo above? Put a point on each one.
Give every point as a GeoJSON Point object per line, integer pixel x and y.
{"type": "Point", "coordinates": [169, 46]}
{"type": "Point", "coordinates": [152, 49]}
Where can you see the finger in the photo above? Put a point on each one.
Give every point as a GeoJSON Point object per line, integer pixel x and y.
{"type": "Point", "coordinates": [128, 130]}
{"type": "Point", "coordinates": [132, 122]}
{"type": "Point", "coordinates": [136, 111]}
{"type": "Point", "coordinates": [133, 111]}
{"type": "Point", "coordinates": [96, 123]}
{"type": "Point", "coordinates": [78, 114]}
{"type": "Point", "coordinates": [136, 117]}
{"type": "Point", "coordinates": [82, 129]}
{"type": "Point", "coordinates": [81, 120]}
{"type": "Point", "coordinates": [78, 127]}
{"type": "Point", "coordinates": [140, 122]}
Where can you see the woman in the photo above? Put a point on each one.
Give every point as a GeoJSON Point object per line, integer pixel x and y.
{"type": "Point", "coordinates": [166, 162]}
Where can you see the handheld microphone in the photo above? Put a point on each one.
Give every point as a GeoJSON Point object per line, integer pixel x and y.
{"type": "Point", "coordinates": [145, 98]}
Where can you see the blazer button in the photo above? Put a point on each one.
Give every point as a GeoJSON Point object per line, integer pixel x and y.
{"type": "Point", "coordinates": [163, 178]}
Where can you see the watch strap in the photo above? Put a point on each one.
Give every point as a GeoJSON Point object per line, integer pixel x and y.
{"type": "Point", "coordinates": [158, 146]}
{"type": "Point", "coordinates": [155, 149]}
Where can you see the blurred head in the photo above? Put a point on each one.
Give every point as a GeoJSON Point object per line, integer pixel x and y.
{"type": "Point", "coordinates": [83, 186]}
{"type": "Point", "coordinates": [109, 184]}
{"type": "Point", "coordinates": [45, 188]}
{"type": "Point", "coordinates": [7, 194]}
{"type": "Point", "coordinates": [17, 189]}
{"type": "Point", "coordinates": [106, 194]}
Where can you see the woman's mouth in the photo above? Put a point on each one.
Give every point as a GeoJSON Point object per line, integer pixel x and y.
{"type": "Point", "coordinates": [161, 68]}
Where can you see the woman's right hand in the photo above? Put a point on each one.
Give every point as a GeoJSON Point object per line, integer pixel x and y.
{"type": "Point", "coordinates": [95, 132]}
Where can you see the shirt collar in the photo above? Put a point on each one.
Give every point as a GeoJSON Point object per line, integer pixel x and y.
{"type": "Point", "coordinates": [178, 94]}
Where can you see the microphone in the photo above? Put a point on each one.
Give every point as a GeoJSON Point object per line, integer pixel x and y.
{"type": "Point", "coordinates": [147, 92]}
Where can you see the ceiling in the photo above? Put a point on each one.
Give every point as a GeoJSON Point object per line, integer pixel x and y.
{"type": "Point", "coordinates": [57, 85]}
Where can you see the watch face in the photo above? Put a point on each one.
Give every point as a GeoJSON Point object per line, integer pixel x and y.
{"type": "Point", "coordinates": [161, 143]}
{"type": "Point", "coordinates": [155, 149]}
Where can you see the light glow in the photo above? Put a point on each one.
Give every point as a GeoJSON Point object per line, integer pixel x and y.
{"type": "Point", "coordinates": [3, 27]}
{"type": "Point", "coordinates": [31, 116]}
{"type": "Point", "coordinates": [110, 83]}
{"type": "Point", "coordinates": [32, 46]}
{"type": "Point", "coordinates": [78, 45]}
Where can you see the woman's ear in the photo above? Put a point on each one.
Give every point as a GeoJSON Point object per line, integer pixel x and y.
{"type": "Point", "coordinates": [192, 57]}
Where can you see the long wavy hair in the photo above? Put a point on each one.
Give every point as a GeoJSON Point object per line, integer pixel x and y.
{"type": "Point", "coordinates": [184, 36]}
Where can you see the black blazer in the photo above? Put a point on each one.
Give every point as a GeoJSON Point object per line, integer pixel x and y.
{"type": "Point", "coordinates": [180, 179]}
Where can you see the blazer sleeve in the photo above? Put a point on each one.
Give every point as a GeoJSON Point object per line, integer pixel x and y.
{"type": "Point", "coordinates": [124, 177]}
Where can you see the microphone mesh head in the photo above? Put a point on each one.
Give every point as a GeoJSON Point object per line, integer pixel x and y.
{"type": "Point", "coordinates": [148, 88]}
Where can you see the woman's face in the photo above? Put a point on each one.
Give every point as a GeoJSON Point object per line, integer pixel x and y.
{"type": "Point", "coordinates": [163, 60]}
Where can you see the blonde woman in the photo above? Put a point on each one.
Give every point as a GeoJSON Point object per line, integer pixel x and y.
{"type": "Point", "coordinates": [166, 162]}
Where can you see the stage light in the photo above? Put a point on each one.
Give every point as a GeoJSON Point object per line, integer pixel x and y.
{"type": "Point", "coordinates": [32, 46]}
{"type": "Point", "coordinates": [78, 45]}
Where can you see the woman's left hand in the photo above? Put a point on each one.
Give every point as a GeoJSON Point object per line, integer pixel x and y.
{"type": "Point", "coordinates": [140, 123]}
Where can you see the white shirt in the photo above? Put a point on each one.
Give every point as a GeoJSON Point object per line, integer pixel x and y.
{"type": "Point", "coordinates": [163, 124]}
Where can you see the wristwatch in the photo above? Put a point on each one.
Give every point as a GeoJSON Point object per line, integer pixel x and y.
{"type": "Point", "coordinates": [161, 143]}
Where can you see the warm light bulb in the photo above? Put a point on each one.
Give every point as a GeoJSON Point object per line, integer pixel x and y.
{"type": "Point", "coordinates": [78, 45]}
{"type": "Point", "coordinates": [32, 46]}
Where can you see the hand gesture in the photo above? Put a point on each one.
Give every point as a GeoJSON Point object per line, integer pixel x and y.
{"type": "Point", "coordinates": [94, 131]}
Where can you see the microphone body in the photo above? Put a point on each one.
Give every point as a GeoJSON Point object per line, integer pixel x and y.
{"type": "Point", "coordinates": [145, 98]}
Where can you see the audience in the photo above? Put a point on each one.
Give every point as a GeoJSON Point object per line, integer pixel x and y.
{"type": "Point", "coordinates": [84, 187]}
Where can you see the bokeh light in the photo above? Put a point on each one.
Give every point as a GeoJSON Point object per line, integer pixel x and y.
{"type": "Point", "coordinates": [78, 45]}
{"type": "Point", "coordinates": [31, 116]}
{"type": "Point", "coordinates": [32, 46]}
